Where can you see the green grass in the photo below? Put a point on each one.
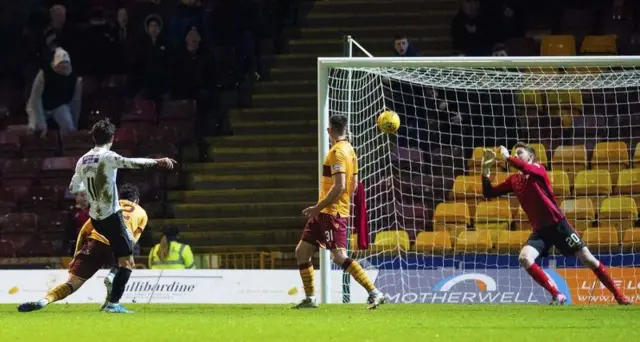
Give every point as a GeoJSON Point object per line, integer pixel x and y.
{"type": "Point", "coordinates": [351, 323]}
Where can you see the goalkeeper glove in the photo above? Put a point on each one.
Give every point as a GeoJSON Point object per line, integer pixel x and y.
{"type": "Point", "coordinates": [488, 162]}
{"type": "Point", "coordinates": [504, 153]}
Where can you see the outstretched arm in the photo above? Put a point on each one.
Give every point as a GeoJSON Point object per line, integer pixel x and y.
{"type": "Point", "coordinates": [489, 191]}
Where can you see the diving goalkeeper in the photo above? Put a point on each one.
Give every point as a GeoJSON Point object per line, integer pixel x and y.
{"type": "Point", "coordinates": [550, 227]}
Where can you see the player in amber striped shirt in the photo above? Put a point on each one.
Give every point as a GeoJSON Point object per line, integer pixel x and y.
{"type": "Point", "coordinates": [93, 252]}
{"type": "Point", "coordinates": [327, 220]}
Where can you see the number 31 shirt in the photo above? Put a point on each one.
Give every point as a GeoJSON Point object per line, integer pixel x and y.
{"type": "Point", "coordinates": [96, 173]}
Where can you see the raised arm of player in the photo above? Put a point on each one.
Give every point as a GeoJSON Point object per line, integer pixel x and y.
{"type": "Point", "coordinates": [119, 162]}
{"type": "Point", "coordinates": [488, 190]}
{"type": "Point", "coordinates": [524, 167]}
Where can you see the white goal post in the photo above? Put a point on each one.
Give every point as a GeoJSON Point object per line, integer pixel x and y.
{"type": "Point", "coordinates": [361, 87]}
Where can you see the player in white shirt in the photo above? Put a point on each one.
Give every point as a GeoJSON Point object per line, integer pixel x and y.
{"type": "Point", "coordinates": [95, 174]}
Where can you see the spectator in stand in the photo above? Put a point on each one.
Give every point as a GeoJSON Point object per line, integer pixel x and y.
{"type": "Point", "coordinates": [403, 48]}
{"type": "Point", "coordinates": [500, 50]}
{"type": "Point", "coordinates": [187, 14]}
{"type": "Point", "coordinates": [150, 76]}
{"type": "Point", "coordinates": [123, 40]}
{"type": "Point", "coordinates": [57, 93]}
{"type": "Point", "coordinates": [78, 215]}
{"type": "Point", "coordinates": [506, 20]}
{"type": "Point", "coordinates": [99, 47]}
{"type": "Point", "coordinates": [468, 32]}
{"type": "Point", "coordinates": [141, 12]}
{"type": "Point", "coordinates": [194, 78]}
{"type": "Point", "coordinates": [58, 33]}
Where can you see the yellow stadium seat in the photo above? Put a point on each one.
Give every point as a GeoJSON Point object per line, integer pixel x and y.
{"type": "Point", "coordinates": [620, 212]}
{"type": "Point", "coordinates": [558, 45]}
{"type": "Point", "coordinates": [391, 240]}
{"type": "Point", "coordinates": [541, 153]}
{"type": "Point", "coordinates": [530, 97]}
{"type": "Point", "coordinates": [599, 45]}
{"type": "Point", "coordinates": [612, 156]}
{"type": "Point", "coordinates": [629, 184]}
{"type": "Point", "coordinates": [521, 220]}
{"type": "Point", "coordinates": [565, 99]}
{"type": "Point", "coordinates": [432, 242]}
{"type": "Point", "coordinates": [592, 183]}
{"type": "Point", "coordinates": [493, 211]}
{"type": "Point", "coordinates": [454, 229]}
{"type": "Point", "coordinates": [474, 165]}
{"type": "Point", "coordinates": [569, 158]}
{"type": "Point", "coordinates": [636, 156]}
{"type": "Point", "coordinates": [580, 213]}
{"type": "Point", "coordinates": [631, 239]}
{"type": "Point", "coordinates": [493, 228]}
{"type": "Point", "coordinates": [467, 189]}
{"type": "Point", "coordinates": [560, 183]}
{"type": "Point", "coordinates": [511, 241]}
{"type": "Point", "coordinates": [601, 239]}
{"type": "Point", "coordinates": [452, 212]}
{"type": "Point", "coordinates": [474, 242]}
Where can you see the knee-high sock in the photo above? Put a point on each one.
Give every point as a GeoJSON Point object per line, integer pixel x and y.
{"type": "Point", "coordinates": [604, 277]}
{"type": "Point", "coordinates": [355, 270]}
{"type": "Point", "coordinates": [119, 283]}
{"type": "Point", "coordinates": [543, 279]}
{"type": "Point", "coordinates": [306, 273]}
{"type": "Point", "coordinates": [59, 292]}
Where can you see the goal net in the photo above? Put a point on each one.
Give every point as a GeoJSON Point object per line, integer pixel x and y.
{"type": "Point", "coordinates": [434, 238]}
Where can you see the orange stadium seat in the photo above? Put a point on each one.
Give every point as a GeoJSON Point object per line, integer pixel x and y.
{"type": "Point", "coordinates": [511, 242]}
{"type": "Point", "coordinates": [593, 183]}
{"type": "Point", "coordinates": [599, 45]}
{"type": "Point", "coordinates": [391, 241]}
{"type": "Point", "coordinates": [452, 217]}
{"type": "Point", "coordinates": [541, 153]}
{"type": "Point", "coordinates": [558, 45]}
{"type": "Point", "coordinates": [493, 216]}
{"type": "Point", "coordinates": [433, 242]}
{"type": "Point", "coordinates": [612, 156]}
{"type": "Point", "coordinates": [629, 184]}
{"type": "Point", "coordinates": [474, 165]}
{"type": "Point", "coordinates": [521, 220]}
{"type": "Point", "coordinates": [619, 212]}
{"type": "Point", "coordinates": [474, 242]}
{"type": "Point", "coordinates": [569, 158]}
{"type": "Point", "coordinates": [631, 240]}
{"type": "Point", "coordinates": [602, 239]}
{"type": "Point", "coordinates": [580, 213]}
{"type": "Point", "coordinates": [560, 183]}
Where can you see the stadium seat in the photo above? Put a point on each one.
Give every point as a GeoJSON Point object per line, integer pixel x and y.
{"type": "Point", "coordinates": [599, 45]}
{"type": "Point", "coordinates": [530, 97]}
{"type": "Point", "coordinates": [57, 171]}
{"type": "Point", "coordinates": [8, 201]}
{"type": "Point", "coordinates": [493, 211]}
{"type": "Point", "coordinates": [139, 115]}
{"type": "Point", "coordinates": [180, 114]}
{"type": "Point", "coordinates": [636, 153]}
{"type": "Point", "coordinates": [125, 139]}
{"type": "Point", "coordinates": [33, 146]}
{"type": "Point", "coordinates": [619, 212]}
{"type": "Point", "coordinates": [474, 165]}
{"type": "Point", "coordinates": [592, 183]}
{"type": "Point", "coordinates": [75, 144]}
{"type": "Point", "coordinates": [468, 189]}
{"type": "Point", "coordinates": [612, 156]}
{"type": "Point", "coordinates": [41, 197]}
{"type": "Point", "coordinates": [580, 213]}
{"type": "Point", "coordinates": [452, 217]}
{"type": "Point", "coordinates": [541, 153]}
{"type": "Point", "coordinates": [38, 248]}
{"type": "Point", "coordinates": [102, 107]}
{"type": "Point", "coordinates": [511, 242]}
{"type": "Point", "coordinates": [391, 241]}
{"type": "Point", "coordinates": [560, 183]}
{"type": "Point", "coordinates": [52, 223]}
{"type": "Point", "coordinates": [629, 184]}
{"type": "Point", "coordinates": [567, 99]}
{"type": "Point", "coordinates": [521, 220]}
{"type": "Point", "coordinates": [631, 240]}
{"type": "Point", "coordinates": [165, 133]}
{"type": "Point", "coordinates": [9, 144]}
{"type": "Point", "coordinates": [20, 172]}
{"type": "Point", "coordinates": [6, 249]}
{"type": "Point", "coordinates": [474, 242]}
{"type": "Point", "coordinates": [601, 239]}
{"type": "Point", "coordinates": [558, 45]}
{"type": "Point", "coordinates": [433, 242]}
{"type": "Point", "coordinates": [571, 159]}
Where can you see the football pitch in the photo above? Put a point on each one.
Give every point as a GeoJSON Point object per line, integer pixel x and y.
{"type": "Point", "coordinates": [447, 323]}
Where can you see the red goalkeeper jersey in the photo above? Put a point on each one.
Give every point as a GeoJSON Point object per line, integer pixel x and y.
{"type": "Point", "coordinates": [534, 192]}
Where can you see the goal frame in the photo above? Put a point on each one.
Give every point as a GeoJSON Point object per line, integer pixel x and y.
{"type": "Point", "coordinates": [324, 64]}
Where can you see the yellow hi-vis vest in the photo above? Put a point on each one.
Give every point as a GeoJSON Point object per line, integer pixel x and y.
{"type": "Point", "coordinates": [180, 257]}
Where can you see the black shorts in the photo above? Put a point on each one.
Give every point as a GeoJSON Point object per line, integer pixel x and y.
{"type": "Point", "coordinates": [114, 229]}
{"type": "Point", "coordinates": [561, 235]}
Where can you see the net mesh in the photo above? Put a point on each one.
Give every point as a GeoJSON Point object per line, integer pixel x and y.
{"type": "Point", "coordinates": [431, 228]}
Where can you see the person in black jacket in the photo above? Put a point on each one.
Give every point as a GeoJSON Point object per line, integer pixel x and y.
{"type": "Point", "coordinates": [150, 73]}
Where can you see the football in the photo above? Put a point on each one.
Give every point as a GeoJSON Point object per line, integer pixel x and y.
{"type": "Point", "coordinates": [388, 121]}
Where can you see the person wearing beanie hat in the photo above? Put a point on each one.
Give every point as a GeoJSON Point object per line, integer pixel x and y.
{"type": "Point", "coordinates": [56, 93]}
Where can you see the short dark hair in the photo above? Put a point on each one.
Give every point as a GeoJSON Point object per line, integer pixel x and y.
{"type": "Point", "coordinates": [153, 18]}
{"type": "Point", "coordinates": [527, 148]}
{"type": "Point", "coordinates": [103, 132]}
{"type": "Point", "coordinates": [129, 192]}
{"type": "Point", "coordinates": [400, 36]}
{"type": "Point", "coordinates": [338, 123]}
